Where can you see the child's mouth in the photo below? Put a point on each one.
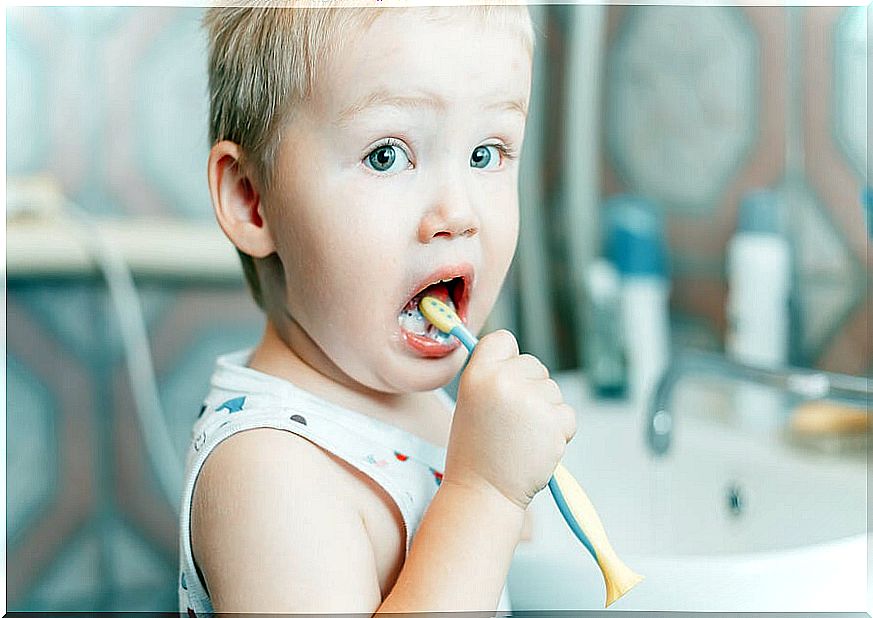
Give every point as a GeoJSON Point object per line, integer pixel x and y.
{"type": "Point", "coordinates": [421, 335]}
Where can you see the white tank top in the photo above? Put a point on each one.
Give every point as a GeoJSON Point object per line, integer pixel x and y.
{"type": "Point", "coordinates": [408, 467]}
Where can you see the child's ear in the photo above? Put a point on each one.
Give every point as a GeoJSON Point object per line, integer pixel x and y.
{"type": "Point", "coordinates": [236, 201]}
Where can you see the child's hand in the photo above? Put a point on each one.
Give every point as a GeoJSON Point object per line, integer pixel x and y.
{"type": "Point", "coordinates": [511, 424]}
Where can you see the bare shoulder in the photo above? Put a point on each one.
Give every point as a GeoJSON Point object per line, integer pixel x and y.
{"type": "Point", "coordinates": [273, 530]}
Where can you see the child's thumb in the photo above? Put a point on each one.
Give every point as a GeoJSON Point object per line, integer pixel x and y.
{"type": "Point", "coordinates": [497, 346]}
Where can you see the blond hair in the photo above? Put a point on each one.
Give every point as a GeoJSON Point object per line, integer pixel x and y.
{"type": "Point", "coordinates": [263, 61]}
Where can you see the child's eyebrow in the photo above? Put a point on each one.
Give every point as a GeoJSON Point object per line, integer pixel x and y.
{"type": "Point", "coordinates": [383, 98]}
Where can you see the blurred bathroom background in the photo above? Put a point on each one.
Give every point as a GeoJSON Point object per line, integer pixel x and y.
{"type": "Point", "coordinates": [688, 110]}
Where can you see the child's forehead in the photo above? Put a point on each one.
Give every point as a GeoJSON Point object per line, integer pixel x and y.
{"type": "Point", "coordinates": [453, 58]}
{"type": "Point", "coordinates": [398, 39]}
{"type": "Point", "coordinates": [425, 67]}
{"type": "Point", "coordinates": [415, 19]}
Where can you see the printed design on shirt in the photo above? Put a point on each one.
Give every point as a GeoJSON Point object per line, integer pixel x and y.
{"type": "Point", "coordinates": [183, 583]}
{"type": "Point", "coordinates": [298, 418]}
{"type": "Point", "coordinates": [437, 475]}
{"type": "Point", "coordinates": [232, 405]}
{"type": "Point", "coordinates": [372, 460]}
{"type": "Point", "coordinates": [202, 410]}
{"type": "Point", "coordinates": [200, 441]}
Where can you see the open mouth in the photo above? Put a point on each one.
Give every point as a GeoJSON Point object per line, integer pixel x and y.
{"type": "Point", "coordinates": [451, 287]}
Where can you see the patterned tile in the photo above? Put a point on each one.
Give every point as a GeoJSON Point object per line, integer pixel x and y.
{"type": "Point", "coordinates": [155, 302]}
{"type": "Point", "coordinates": [852, 56]}
{"type": "Point", "coordinates": [69, 383]}
{"type": "Point", "coordinates": [68, 311]}
{"type": "Point", "coordinates": [31, 446]}
{"type": "Point", "coordinates": [27, 103]}
{"type": "Point", "coordinates": [828, 281]}
{"type": "Point", "coordinates": [87, 22]}
{"type": "Point", "coordinates": [74, 581]}
{"type": "Point", "coordinates": [680, 101]}
{"type": "Point", "coordinates": [137, 565]}
{"type": "Point", "coordinates": [172, 108]}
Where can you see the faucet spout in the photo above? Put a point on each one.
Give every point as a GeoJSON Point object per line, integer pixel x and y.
{"type": "Point", "coordinates": [802, 384]}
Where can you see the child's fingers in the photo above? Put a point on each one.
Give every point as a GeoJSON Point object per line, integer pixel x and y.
{"type": "Point", "coordinates": [568, 420]}
{"type": "Point", "coordinates": [493, 347]}
{"type": "Point", "coordinates": [530, 367]}
{"type": "Point", "coordinates": [552, 392]}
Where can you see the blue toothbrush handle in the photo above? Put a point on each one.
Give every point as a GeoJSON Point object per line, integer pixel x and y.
{"type": "Point", "coordinates": [558, 495]}
{"type": "Point", "coordinates": [469, 341]}
{"type": "Point", "coordinates": [465, 337]}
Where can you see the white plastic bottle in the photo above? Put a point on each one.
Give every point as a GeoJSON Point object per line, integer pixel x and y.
{"type": "Point", "coordinates": [635, 245]}
{"type": "Point", "coordinates": [759, 277]}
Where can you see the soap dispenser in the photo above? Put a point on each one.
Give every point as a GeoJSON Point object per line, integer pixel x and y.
{"type": "Point", "coordinates": [635, 246]}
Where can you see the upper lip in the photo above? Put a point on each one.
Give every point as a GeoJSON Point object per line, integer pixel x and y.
{"type": "Point", "coordinates": [463, 270]}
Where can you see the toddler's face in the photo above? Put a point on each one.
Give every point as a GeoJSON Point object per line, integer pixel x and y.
{"type": "Point", "coordinates": [402, 170]}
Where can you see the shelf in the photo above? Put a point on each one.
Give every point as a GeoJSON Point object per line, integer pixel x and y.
{"type": "Point", "coordinates": [52, 245]}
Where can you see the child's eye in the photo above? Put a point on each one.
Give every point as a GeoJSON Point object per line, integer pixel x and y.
{"type": "Point", "coordinates": [487, 157]}
{"type": "Point", "coordinates": [387, 157]}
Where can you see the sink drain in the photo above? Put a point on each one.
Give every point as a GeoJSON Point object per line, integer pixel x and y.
{"type": "Point", "coordinates": [735, 501]}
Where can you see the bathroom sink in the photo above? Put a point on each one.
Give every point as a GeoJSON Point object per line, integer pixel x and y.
{"type": "Point", "coordinates": [727, 521]}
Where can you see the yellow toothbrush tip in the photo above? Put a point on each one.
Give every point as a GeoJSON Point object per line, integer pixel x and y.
{"type": "Point", "coordinates": [439, 314]}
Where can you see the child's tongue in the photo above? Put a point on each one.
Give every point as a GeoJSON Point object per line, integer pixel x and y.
{"type": "Point", "coordinates": [413, 321]}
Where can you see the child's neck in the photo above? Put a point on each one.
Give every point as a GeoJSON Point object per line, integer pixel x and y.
{"type": "Point", "coordinates": [284, 355]}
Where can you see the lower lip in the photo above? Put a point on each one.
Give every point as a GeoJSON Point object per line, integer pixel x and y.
{"type": "Point", "coordinates": [427, 347]}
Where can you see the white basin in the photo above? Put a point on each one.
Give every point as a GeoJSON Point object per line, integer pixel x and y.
{"type": "Point", "coordinates": [794, 540]}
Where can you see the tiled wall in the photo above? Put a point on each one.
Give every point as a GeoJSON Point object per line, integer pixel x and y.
{"type": "Point", "coordinates": [87, 525]}
{"type": "Point", "coordinates": [112, 102]}
{"type": "Point", "coordinates": [698, 110]}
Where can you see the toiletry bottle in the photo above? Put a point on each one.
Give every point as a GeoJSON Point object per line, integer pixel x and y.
{"type": "Point", "coordinates": [635, 245]}
{"type": "Point", "coordinates": [603, 349]}
{"type": "Point", "coordinates": [759, 275]}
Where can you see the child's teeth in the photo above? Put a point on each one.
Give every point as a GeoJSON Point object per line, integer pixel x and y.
{"type": "Point", "coordinates": [413, 321]}
{"type": "Point", "coordinates": [436, 334]}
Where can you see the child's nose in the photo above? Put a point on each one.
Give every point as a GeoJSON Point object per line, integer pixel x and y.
{"type": "Point", "coordinates": [449, 218]}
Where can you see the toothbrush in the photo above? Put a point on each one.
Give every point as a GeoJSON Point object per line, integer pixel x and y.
{"type": "Point", "coordinates": [571, 499]}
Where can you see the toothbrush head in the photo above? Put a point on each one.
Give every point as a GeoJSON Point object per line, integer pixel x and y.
{"type": "Point", "coordinates": [439, 314]}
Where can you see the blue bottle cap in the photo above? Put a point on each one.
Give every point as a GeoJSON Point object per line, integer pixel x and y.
{"type": "Point", "coordinates": [760, 213]}
{"type": "Point", "coordinates": [635, 236]}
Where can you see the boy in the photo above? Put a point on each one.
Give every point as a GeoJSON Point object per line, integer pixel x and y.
{"type": "Point", "coordinates": [361, 158]}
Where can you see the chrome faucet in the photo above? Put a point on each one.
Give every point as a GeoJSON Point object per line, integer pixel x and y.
{"type": "Point", "coordinates": [802, 384]}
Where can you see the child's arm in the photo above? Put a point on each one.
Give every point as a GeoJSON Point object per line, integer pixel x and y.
{"type": "Point", "coordinates": [461, 553]}
{"type": "Point", "coordinates": [269, 536]}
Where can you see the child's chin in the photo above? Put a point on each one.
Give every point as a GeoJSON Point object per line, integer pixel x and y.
{"type": "Point", "coordinates": [421, 376]}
